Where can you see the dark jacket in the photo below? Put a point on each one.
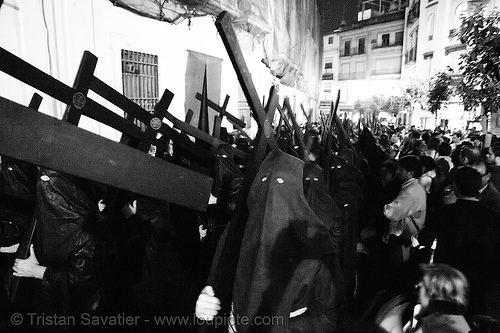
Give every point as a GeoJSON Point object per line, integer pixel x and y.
{"type": "Point", "coordinates": [67, 242]}
{"type": "Point", "coordinates": [17, 199]}
{"type": "Point", "coordinates": [468, 238]}
{"type": "Point", "coordinates": [441, 317]}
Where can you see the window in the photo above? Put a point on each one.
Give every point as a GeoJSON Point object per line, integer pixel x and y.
{"type": "Point", "coordinates": [399, 38]}
{"type": "Point", "coordinates": [460, 11]}
{"type": "Point", "coordinates": [385, 40]}
{"type": "Point", "coordinates": [327, 88]}
{"type": "Point", "coordinates": [428, 64]}
{"type": "Point", "coordinates": [347, 48]}
{"type": "Point", "coordinates": [330, 40]}
{"type": "Point", "coordinates": [361, 46]}
{"type": "Point", "coordinates": [430, 27]}
{"type": "Point", "coordinates": [140, 78]}
{"type": "Point", "coordinates": [328, 65]}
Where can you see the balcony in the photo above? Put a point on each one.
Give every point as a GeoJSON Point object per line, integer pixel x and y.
{"type": "Point", "coordinates": [385, 45]}
{"type": "Point", "coordinates": [388, 71]}
{"type": "Point", "coordinates": [352, 52]}
{"type": "Point", "coordinates": [327, 76]}
{"type": "Point", "coordinates": [352, 76]}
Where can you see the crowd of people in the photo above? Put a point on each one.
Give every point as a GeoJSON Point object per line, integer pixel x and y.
{"type": "Point", "coordinates": [429, 213]}
{"type": "Point", "coordinates": [335, 240]}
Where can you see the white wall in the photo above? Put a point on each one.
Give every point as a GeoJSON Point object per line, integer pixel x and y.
{"type": "Point", "coordinates": [53, 34]}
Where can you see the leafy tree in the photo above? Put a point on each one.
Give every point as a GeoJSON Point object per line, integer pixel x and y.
{"type": "Point", "coordinates": [480, 63]}
{"type": "Point", "coordinates": [440, 91]}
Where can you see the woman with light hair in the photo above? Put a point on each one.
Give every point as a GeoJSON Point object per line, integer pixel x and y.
{"type": "Point", "coordinates": [442, 301]}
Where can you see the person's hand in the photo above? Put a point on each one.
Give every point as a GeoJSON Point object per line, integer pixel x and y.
{"type": "Point", "coordinates": [101, 205]}
{"type": "Point", "coordinates": [9, 249]}
{"type": "Point", "coordinates": [29, 267]}
{"type": "Point", "coordinates": [207, 304]}
{"type": "Point", "coordinates": [130, 209]}
{"type": "Point", "coordinates": [203, 232]}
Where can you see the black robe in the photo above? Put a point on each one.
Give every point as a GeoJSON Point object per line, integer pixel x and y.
{"type": "Point", "coordinates": [284, 259]}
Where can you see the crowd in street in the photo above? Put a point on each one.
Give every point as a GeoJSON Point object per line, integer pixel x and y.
{"type": "Point", "coordinates": [400, 233]}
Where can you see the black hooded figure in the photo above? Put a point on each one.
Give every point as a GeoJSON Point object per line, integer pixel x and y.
{"type": "Point", "coordinates": [68, 242]}
{"type": "Point", "coordinates": [283, 267]}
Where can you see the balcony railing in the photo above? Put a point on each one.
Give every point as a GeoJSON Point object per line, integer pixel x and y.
{"type": "Point", "coordinates": [386, 71]}
{"type": "Point", "coordinates": [352, 76]}
{"type": "Point", "coordinates": [352, 52]}
{"type": "Point", "coordinates": [377, 46]}
{"type": "Point", "coordinates": [327, 76]}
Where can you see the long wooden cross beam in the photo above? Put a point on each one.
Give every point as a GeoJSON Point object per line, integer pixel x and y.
{"type": "Point", "coordinates": [222, 110]}
{"type": "Point", "coordinates": [199, 134]}
{"type": "Point", "coordinates": [133, 109]}
{"type": "Point", "coordinates": [296, 128]}
{"type": "Point", "coordinates": [237, 123]}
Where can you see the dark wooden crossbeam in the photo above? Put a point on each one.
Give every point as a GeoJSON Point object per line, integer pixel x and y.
{"type": "Point", "coordinates": [189, 116]}
{"type": "Point", "coordinates": [199, 134]}
{"type": "Point", "coordinates": [237, 123]}
{"type": "Point", "coordinates": [222, 110]}
{"type": "Point", "coordinates": [24, 245]}
{"type": "Point", "coordinates": [217, 127]}
{"type": "Point", "coordinates": [133, 109]}
{"type": "Point", "coordinates": [329, 138]}
{"type": "Point", "coordinates": [283, 119]}
{"type": "Point", "coordinates": [27, 73]}
{"type": "Point", "coordinates": [308, 116]}
{"type": "Point", "coordinates": [296, 128]}
{"type": "Point", "coordinates": [83, 79]}
{"type": "Point", "coordinates": [230, 40]}
{"type": "Point", "coordinates": [46, 141]}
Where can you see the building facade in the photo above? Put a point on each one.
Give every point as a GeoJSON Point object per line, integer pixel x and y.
{"type": "Point", "coordinates": [427, 46]}
{"type": "Point", "coordinates": [364, 59]}
{"type": "Point", "coordinates": [166, 52]}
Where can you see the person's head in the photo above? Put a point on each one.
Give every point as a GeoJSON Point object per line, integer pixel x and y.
{"type": "Point", "coordinates": [414, 134]}
{"type": "Point", "coordinates": [444, 149]}
{"type": "Point", "coordinates": [481, 166]}
{"type": "Point", "coordinates": [443, 166]}
{"type": "Point", "coordinates": [493, 155]}
{"type": "Point", "coordinates": [315, 151]}
{"type": "Point", "coordinates": [441, 282]}
{"type": "Point", "coordinates": [456, 137]}
{"type": "Point", "coordinates": [426, 136]}
{"type": "Point", "coordinates": [433, 143]}
{"type": "Point", "coordinates": [387, 171]}
{"type": "Point", "coordinates": [409, 166]}
{"type": "Point", "coordinates": [428, 163]}
{"type": "Point", "coordinates": [467, 182]}
{"type": "Point", "coordinates": [469, 153]}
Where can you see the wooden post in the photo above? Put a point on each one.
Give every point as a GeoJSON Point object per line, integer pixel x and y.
{"type": "Point", "coordinates": [224, 269]}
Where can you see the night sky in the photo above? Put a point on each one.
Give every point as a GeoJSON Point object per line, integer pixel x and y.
{"type": "Point", "coordinates": [334, 10]}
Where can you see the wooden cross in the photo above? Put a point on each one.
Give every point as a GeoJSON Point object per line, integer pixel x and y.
{"type": "Point", "coordinates": [237, 123]}
{"type": "Point", "coordinates": [296, 128]}
{"type": "Point", "coordinates": [308, 116]}
{"type": "Point", "coordinates": [329, 138]}
{"type": "Point", "coordinates": [225, 268]}
{"type": "Point", "coordinates": [51, 143]}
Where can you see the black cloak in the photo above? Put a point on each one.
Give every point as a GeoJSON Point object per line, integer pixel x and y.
{"type": "Point", "coordinates": [283, 262]}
